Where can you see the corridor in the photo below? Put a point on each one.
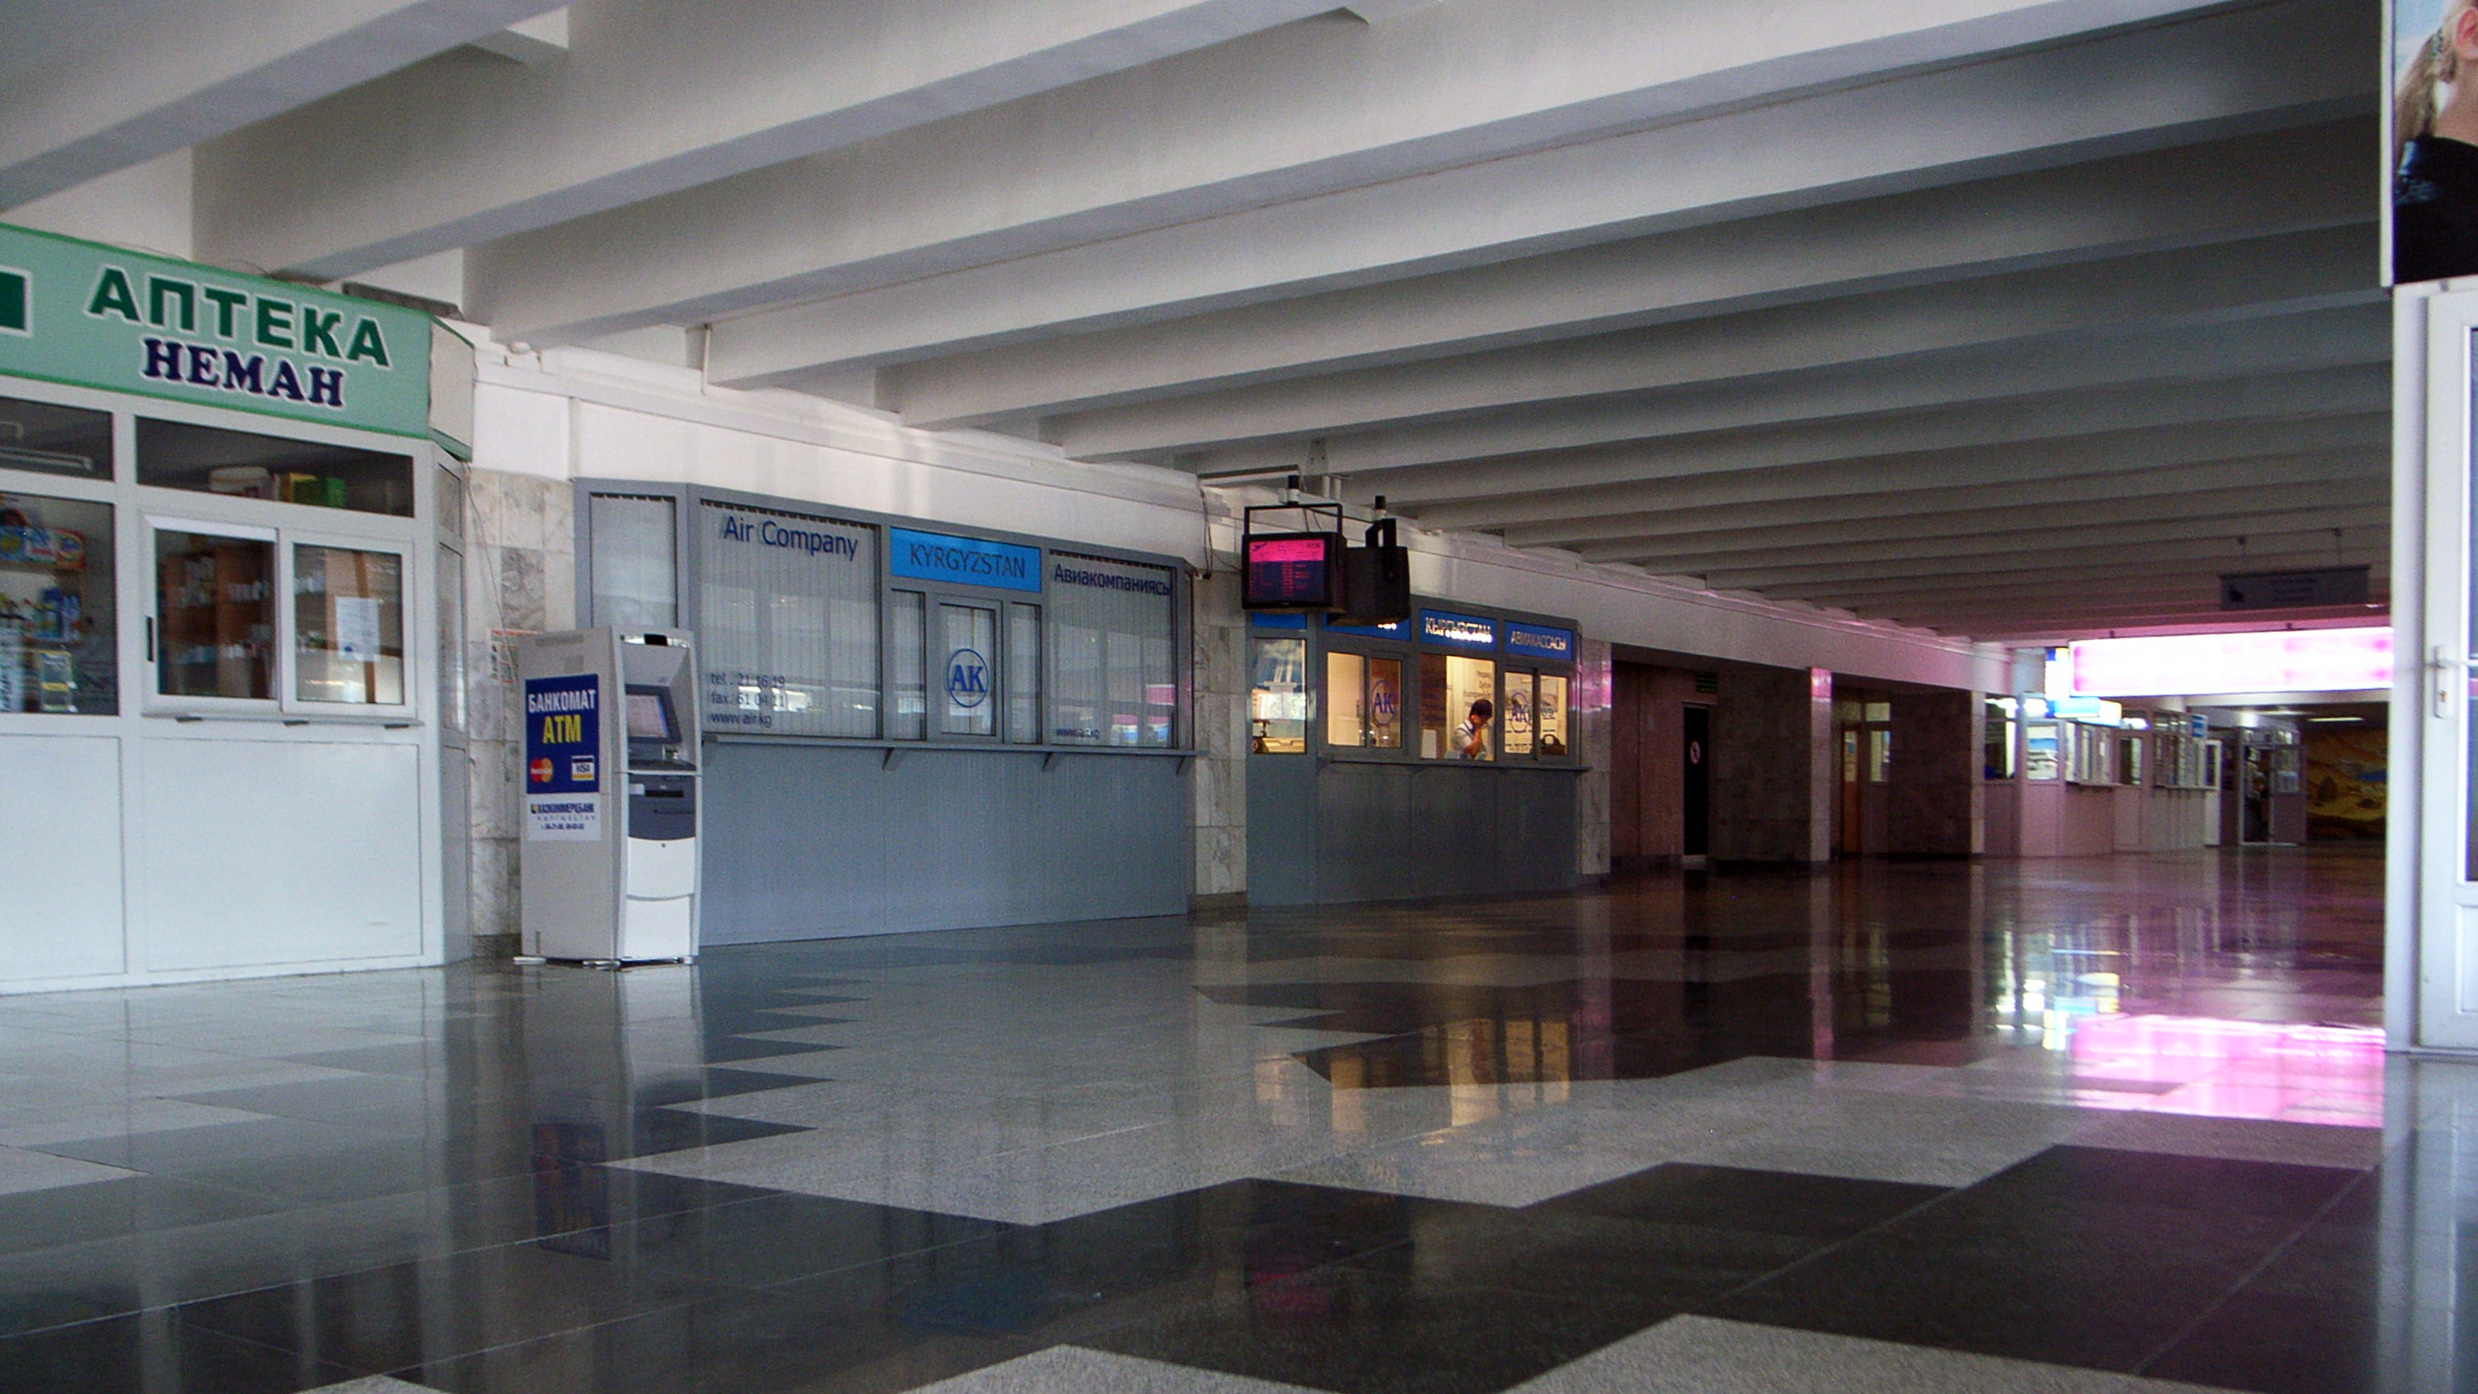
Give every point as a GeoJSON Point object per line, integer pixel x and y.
{"type": "Point", "coordinates": [2116, 1125]}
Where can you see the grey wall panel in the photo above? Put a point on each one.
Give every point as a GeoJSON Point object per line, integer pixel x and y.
{"type": "Point", "coordinates": [808, 842]}
{"type": "Point", "coordinates": [1282, 824]}
{"type": "Point", "coordinates": [1398, 832]}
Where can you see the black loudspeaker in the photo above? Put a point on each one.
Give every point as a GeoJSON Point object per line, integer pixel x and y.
{"type": "Point", "coordinates": [1376, 580]}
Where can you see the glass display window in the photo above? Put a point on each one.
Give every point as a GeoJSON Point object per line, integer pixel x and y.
{"type": "Point", "coordinates": [245, 464]}
{"type": "Point", "coordinates": [1999, 735]}
{"type": "Point", "coordinates": [1518, 695]}
{"type": "Point", "coordinates": [968, 637]}
{"type": "Point", "coordinates": [1458, 707]}
{"type": "Point", "coordinates": [348, 625]}
{"type": "Point", "coordinates": [1879, 755]}
{"type": "Point", "coordinates": [1024, 674]}
{"type": "Point", "coordinates": [907, 666]}
{"type": "Point", "coordinates": [2129, 759]}
{"type": "Point", "coordinates": [787, 619]}
{"type": "Point", "coordinates": [58, 650]}
{"type": "Point", "coordinates": [1346, 699]}
{"type": "Point", "coordinates": [2041, 756]}
{"type": "Point", "coordinates": [634, 581]}
{"type": "Point", "coordinates": [42, 438]}
{"type": "Point", "coordinates": [1113, 639]}
{"type": "Point", "coordinates": [1363, 701]}
{"type": "Point", "coordinates": [1549, 717]}
{"type": "Point", "coordinates": [215, 613]}
{"type": "Point", "coordinates": [1278, 697]}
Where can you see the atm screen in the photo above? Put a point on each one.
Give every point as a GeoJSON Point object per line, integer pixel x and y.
{"type": "Point", "coordinates": [650, 717]}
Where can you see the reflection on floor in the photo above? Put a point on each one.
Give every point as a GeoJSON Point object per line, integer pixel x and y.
{"type": "Point", "coordinates": [2117, 1125]}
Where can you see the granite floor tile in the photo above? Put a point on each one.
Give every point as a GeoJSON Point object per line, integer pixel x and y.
{"type": "Point", "coordinates": [1700, 1355]}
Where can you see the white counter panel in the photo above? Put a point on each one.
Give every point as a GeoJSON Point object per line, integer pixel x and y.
{"type": "Point", "coordinates": [60, 857]}
{"type": "Point", "coordinates": [256, 853]}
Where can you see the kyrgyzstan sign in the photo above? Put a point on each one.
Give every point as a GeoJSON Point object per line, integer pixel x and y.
{"type": "Point", "coordinates": [97, 316]}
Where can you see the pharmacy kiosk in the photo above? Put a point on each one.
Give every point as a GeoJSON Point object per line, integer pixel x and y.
{"type": "Point", "coordinates": [611, 796]}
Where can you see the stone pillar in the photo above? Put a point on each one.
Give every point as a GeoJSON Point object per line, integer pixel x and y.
{"type": "Point", "coordinates": [1218, 779]}
{"type": "Point", "coordinates": [1591, 729]}
{"type": "Point", "coordinates": [1939, 801]}
{"type": "Point", "coordinates": [1772, 772]}
{"type": "Point", "coordinates": [520, 578]}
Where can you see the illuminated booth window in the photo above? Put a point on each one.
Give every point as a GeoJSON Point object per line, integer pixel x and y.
{"type": "Point", "coordinates": [1278, 697]}
{"type": "Point", "coordinates": [1363, 701]}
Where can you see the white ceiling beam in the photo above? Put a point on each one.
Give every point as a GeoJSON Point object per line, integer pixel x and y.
{"type": "Point", "coordinates": [1479, 100]}
{"type": "Point", "coordinates": [2030, 561]}
{"type": "Point", "coordinates": [2363, 545]}
{"type": "Point", "coordinates": [1964, 532]}
{"type": "Point", "coordinates": [2092, 460]}
{"type": "Point", "coordinates": [650, 99]}
{"type": "Point", "coordinates": [1788, 501]}
{"type": "Point", "coordinates": [2229, 355]}
{"type": "Point", "coordinates": [2284, 181]}
{"type": "Point", "coordinates": [83, 96]}
{"type": "Point", "coordinates": [2269, 276]}
{"type": "Point", "coordinates": [2018, 421]}
{"type": "Point", "coordinates": [2074, 621]}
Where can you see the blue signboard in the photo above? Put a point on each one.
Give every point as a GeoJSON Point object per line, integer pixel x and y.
{"type": "Point", "coordinates": [1392, 629]}
{"type": "Point", "coordinates": [1541, 641]}
{"type": "Point", "coordinates": [1263, 620]}
{"type": "Point", "coordinates": [563, 758]}
{"type": "Point", "coordinates": [962, 561]}
{"type": "Point", "coordinates": [1449, 630]}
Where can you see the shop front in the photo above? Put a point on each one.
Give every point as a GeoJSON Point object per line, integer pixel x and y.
{"type": "Point", "coordinates": [1432, 756]}
{"type": "Point", "coordinates": [910, 725]}
{"type": "Point", "coordinates": [224, 504]}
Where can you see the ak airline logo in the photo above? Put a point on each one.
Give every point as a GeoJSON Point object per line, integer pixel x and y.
{"type": "Point", "coordinates": [16, 302]}
{"type": "Point", "coordinates": [542, 770]}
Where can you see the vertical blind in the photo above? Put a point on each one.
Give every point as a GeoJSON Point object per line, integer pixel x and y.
{"type": "Point", "coordinates": [1112, 628]}
{"type": "Point", "coordinates": [789, 622]}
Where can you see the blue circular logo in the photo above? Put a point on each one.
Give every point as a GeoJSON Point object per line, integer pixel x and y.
{"type": "Point", "coordinates": [967, 678]}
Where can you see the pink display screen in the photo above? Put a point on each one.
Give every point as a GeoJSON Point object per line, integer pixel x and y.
{"type": "Point", "coordinates": [1290, 572]}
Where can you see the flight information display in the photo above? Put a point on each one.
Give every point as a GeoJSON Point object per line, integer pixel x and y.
{"type": "Point", "coordinates": [1291, 571]}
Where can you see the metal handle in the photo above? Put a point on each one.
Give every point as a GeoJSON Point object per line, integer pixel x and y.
{"type": "Point", "coordinates": [2448, 668]}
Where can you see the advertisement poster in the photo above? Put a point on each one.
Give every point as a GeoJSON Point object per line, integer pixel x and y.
{"type": "Point", "coordinates": [2346, 783]}
{"type": "Point", "coordinates": [2433, 140]}
{"type": "Point", "coordinates": [563, 758]}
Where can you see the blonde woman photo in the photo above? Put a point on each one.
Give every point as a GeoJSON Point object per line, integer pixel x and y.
{"type": "Point", "coordinates": [2435, 141]}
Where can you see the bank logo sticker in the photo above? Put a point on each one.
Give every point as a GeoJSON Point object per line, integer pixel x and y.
{"type": "Point", "coordinates": [16, 302]}
{"type": "Point", "coordinates": [967, 678]}
{"type": "Point", "coordinates": [1384, 704]}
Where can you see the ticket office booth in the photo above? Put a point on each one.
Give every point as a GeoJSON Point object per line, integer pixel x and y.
{"type": "Point", "coordinates": [909, 725]}
{"type": "Point", "coordinates": [1431, 756]}
{"type": "Point", "coordinates": [218, 744]}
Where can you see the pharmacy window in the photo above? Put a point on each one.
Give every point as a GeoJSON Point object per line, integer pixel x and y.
{"type": "Point", "coordinates": [58, 650]}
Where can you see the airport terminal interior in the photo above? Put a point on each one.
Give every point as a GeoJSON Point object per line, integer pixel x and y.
{"type": "Point", "coordinates": [1238, 697]}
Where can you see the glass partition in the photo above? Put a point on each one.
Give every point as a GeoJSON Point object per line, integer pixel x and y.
{"type": "Point", "coordinates": [907, 663]}
{"type": "Point", "coordinates": [57, 637]}
{"type": "Point", "coordinates": [348, 626]}
{"type": "Point", "coordinates": [1346, 699]}
{"type": "Point", "coordinates": [1113, 633]}
{"type": "Point", "coordinates": [1278, 698]}
{"type": "Point", "coordinates": [788, 621]}
{"type": "Point", "coordinates": [968, 634]}
{"type": "Point", "coordinates": [1458, 707]}
{"type": "Point", "coordinates": [244, 464]}
{"type": "Point", "coordinates": [215, 611]}
{"type": "Point", "coordinates": [635, 572]}
{"type": "Point", "coordinates": [2041, 758]}
{"type": "Point", "coordinates": [1024, 674]}
{"type": "Point", "coordinates": [1549, 717]}
{"type": "Point", "coordinates": [1517, 723]}
{"type": "Point", "coordinates": [48, 439]}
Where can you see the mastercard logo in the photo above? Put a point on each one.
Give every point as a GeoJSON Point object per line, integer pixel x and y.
{"type": "Point", "coordinates": [541, 770]}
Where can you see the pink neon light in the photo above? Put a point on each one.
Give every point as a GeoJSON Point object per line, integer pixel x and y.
{"type": "Point", "coordinates": [1268, 550]}
{"type": "Point", "coordinates": [2304, 660]}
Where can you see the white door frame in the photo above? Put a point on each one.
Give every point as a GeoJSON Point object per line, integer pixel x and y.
{"type": "Point", "coordinates": [2431, 978]}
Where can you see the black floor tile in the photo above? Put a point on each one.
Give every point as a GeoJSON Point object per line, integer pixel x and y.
{"type": "Point", "coordinates": [2077, 1256]}
{"type": "Point", "coordinates": [2284, 1344]}
{"type": "Point", "coordinates": [385, 1318]}
{"type": "Point", "coordinates": [1761, 1202]}
{"type": "Point", "coordinates": [110, 1209]}
{"type": "Point", "coordinates": [806, 1338]}
{"type": "Point", "coordinates": [153, 1354]}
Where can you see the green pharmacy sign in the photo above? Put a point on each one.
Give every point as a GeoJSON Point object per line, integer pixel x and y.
{"type": "Point", "coordinates": [97, 316]}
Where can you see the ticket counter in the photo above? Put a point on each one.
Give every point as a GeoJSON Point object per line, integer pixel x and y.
{"type": "Point", "coordinates": [1432, 756]}
{"type": "Point", "coordinates": [220, 690]}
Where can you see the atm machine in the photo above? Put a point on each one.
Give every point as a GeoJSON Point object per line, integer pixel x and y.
{"type": "Point", "coordinates": [610, 854]}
